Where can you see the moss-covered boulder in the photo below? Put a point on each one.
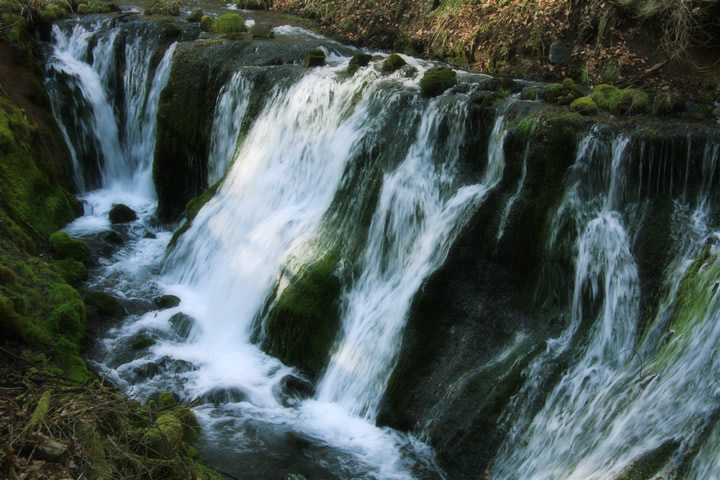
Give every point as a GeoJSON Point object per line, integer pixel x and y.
{"type": "Point", "coordinates": [196, 16]}
{"type": "Point", "coordinates": [168, 8]}
{"type": "Point", "coordinates": [562, 93]}
{"type": "Point", "coordinates": [142, 342]}
{"type": "Point", "coordinates": [206, 23]}
{"type": "Point", "coordinates": [228, 23]}
{"type": "Point", "coordinates": [166, 301]}
{"type": "Point", "coordinates": [584, 106]}
{"type": "Point", "coordinates": [668, 103]}
{"type": "Point", "coordinates": [71, 270]}
{"type": "Point", "coordinates": [64, 246]}
{"type": "Point", "coordinates": [253, 4]}
{"type": "Point", "coordinates": [94, 7]}
{"type": "Point", "coordinates": [314, 58]}
{"type": "Point", "coordinates": [393, 63]}
{"type": "Point", "coordinates": [302, 326]}
{"type": "Point", "coordinates": [103, 305]}
{"type": "Point", "coordinates": [631, 102]}
{"type": "Point", "coordinates": [605, 97]}
{"type": "Point", "coordinates": [357, 62]}
{"type": "Point", "coordinates": [437, 80]}
{"type": "Point", "coordinates": [121, 213]}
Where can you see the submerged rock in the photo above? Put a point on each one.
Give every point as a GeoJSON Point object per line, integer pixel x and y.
{"type": "Point", "coordinates": [262, 30]}
{"type": "Point", "coordinates": [182, 325]}
{"type": "Point", "coordinates": [358, 61]}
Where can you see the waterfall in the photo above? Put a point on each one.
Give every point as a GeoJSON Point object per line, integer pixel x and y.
{"type": "Point", "coordinates": [416, 221]}
{"type": "Point", "coordinates": [626, 395]}
{"type": "Point", "coordinates": [117, 140]}
{"type": "Point", "coordinates": [312, 162]}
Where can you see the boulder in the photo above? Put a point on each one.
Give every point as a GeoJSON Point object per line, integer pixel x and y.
{"type": "Point", "coordinates": [393, 63]}
{"type": "Point", "coordinates": [166, 301]}
{"type": "Point", "coordinates": [315, 58]}
{"type": "Point", "coordinates": [437, 80]}
{"type": "Point", "coordinates": [358, 61]}
{"type": "Point", "coordinates": [558, 54]}
{"type": "Point", "coordinates": [121, 213]}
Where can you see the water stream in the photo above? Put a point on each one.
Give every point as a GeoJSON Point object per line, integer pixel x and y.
{"type": "Point", "coordinates": [629, 387]}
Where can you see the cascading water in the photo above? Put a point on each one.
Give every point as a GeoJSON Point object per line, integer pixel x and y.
{"type": "Point", "coordinates": [290, 192]}
{"type": "Point", "coordinates": [627, 396]}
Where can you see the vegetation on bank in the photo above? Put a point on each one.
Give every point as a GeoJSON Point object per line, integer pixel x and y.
{"type": "Point", "coordinates": [58, 419]}
{"type": "Point", "coordinates": [593, 42]}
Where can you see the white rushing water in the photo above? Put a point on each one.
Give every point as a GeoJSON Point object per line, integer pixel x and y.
{"type": "Point", "coordinates": [625, 395]}
{"type": "Point", "coordinates": [631, 385]}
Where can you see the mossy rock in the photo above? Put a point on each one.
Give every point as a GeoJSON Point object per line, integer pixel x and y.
{"type": "Point", "coordinates": [165, 8]}
{"type": "Point", "coordinates": [94, 7]}
{"type": "Point", "coordinates": [631, 102]}
{"type": "Point", "coordinates": [302, 326]}
{"type": "Point", "coordinates": [314, 58]}
{"type": "Point", "coordinates": [206, 23]}
{"type": "Point", "coordinates": [253, 4]}
{"type": "Point", "coordinates": [166, 438]}
{"type": "Point", "coordinates": [121, 213]}
{"type": "Point", "coordinates": [531, 93]}
{"type": "Point", "coordinates": [196, 16]}
{"type": "Point", "coordinates": [71, 270]}
{"type": "Point", "coordinates": [393, 63]}
{"type": "Point", "coordinates": [64, 246]}
{"type": "Point", "coordinates": [191, 426]}
{"type": "Point", "coordinates": [142, 342]}
{"type": "Point", "coordinates": [437, 80]}
{"type": "Point", "coordinates": [262, 30]}
{"type": "Point", "coordinates": [584, 106]}
{"type": "Point", "coordinates": [562, 93]}
{"type": "Point", "coordinates": [228, 23]}
{"type": "Point", "coordinates": [668, 103]}
{"type": "Point", "coordinates": [166, 301]}
{"type": "Point", "coordinates": [171, 31]}
{"type": "Point", "coordinates": [53, 12]}
{"type": "Point", "coordinates": [358, 61]}
{"type": "Point", "coordinates": [182, 325]}
{"type": "Point", "coordinates": [605, 97]}
{"type": "Point", "coordinates": [103, 304]}
{"type": "Point", "coordinates": [166, 400]}
{"type": "Point", "coordinates": [7, 277]}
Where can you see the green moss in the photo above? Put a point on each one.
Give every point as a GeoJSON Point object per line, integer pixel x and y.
{"type": "Point", "coordinates": [53, 12]}
{"type": "Point", "coordinates": [393, 63]}
{"type": "Point", "coordinates": [314, 58]}
{"type": "Point", "coordinates": [631, 102]}
{"type": "Point", "coordinates": [606, 97]}
{"type": "Point", "coordinates": [562, 93]}
{"type": "Point", "coordinates": [103, 304]}
{"type": "Point", "coordinates": [165, 438]}
{"type": "Point", "coordinates": [192, 208]}
{"type": "Point", "coordinates": [584, 106]}
{"type": "Point", "coordinates": [67, 355]}
{"type": "Point", "coordinates": [302, 326]}
{"type": "Point", "coordinates": [191, 426]}
{"type": "Point", "coordinates": [142, 342]}
{"type": "Point", "coordinates": [168, 8]}
{"type": "Point", "coordinates": [41, 411]}
{"type": "Point", "coordinates": [7, 276]}
{"type": "Point", "coordinates": [64, 246]}
{"type": "Point", "coordinates": [94, 7]}
{"type": "Point", "coordinates": [71, 270]}
{"type": "Point", "coordinates": [206, 23]}
{"type": "Point", "coordinates": [228, 23]}
{"type": "Point", "coordinates": [437, 80]}
{"type": "Point", "coordinates": [668, 103]}
{"type": "Point", "coordinates": [358, 61]}
{"type": "Point", "coordinates": [166, 400]}
{"type": "Point", "coordinates": [196, 16]}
